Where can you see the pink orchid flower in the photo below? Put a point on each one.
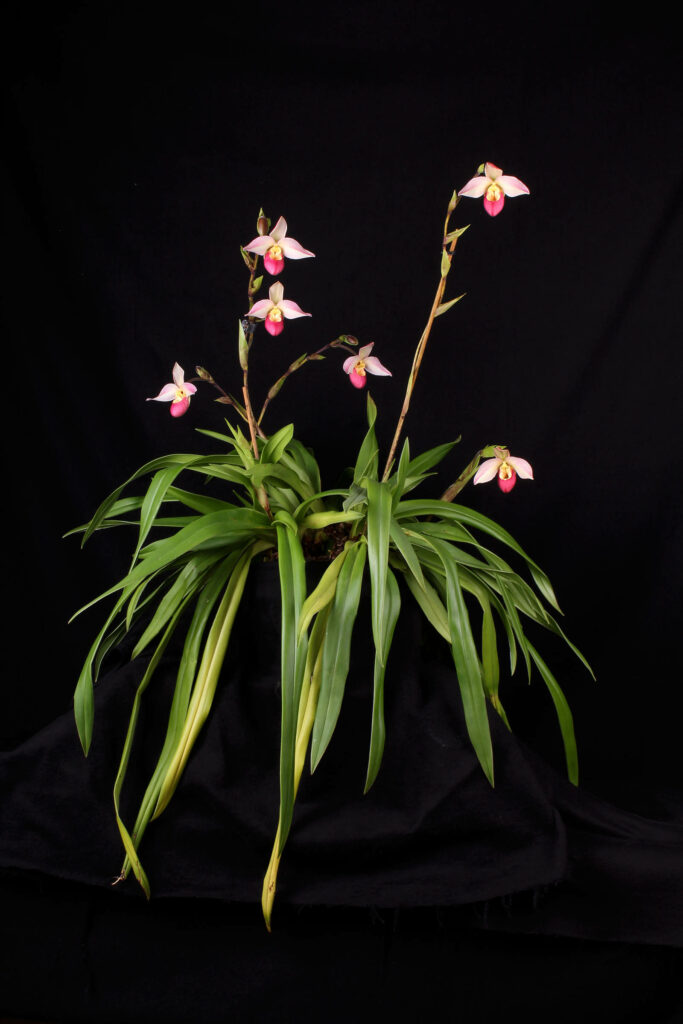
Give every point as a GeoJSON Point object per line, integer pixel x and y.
{"type": "Point", "coordinates": [273, 309]}
{"type": "Point", "coordinates": [178, 393]}
{"type": "Point", "coordinates": [506, 468]}
{"type": "Point", "coordinates": [493, 185]}
{"type": "Point", "coordinates": [275, 246]}
{"type": "Point", "coordinates": [361, 363]}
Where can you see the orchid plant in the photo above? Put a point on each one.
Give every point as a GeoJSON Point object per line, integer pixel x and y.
{"type": "Point", "coordinates": [454, 562]}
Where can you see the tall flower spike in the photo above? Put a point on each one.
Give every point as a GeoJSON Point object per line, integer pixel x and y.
{"type": "Point", "coordinates": [493, 185]}
{"type": "Point", "coordinates": [362, 363]}
{"type": "Point", "coordinates": [506, 467]}
{"type": "Point", "coordinates": [273, 309]}
{"type": "Point", "coordinates": [275, 246]}
{"type": "Point", "coordinates": [178, 393]}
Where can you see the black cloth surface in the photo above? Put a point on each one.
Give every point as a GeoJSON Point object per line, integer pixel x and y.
{"type": "Point", "coordinates": [431, 832]}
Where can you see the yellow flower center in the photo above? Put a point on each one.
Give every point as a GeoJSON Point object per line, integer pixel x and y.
{"type": "Point", "coordinates": [275, 314]}
{"type": "Point", "coordinates": [275, 252]}
{"type": "Point", "coordinates": [505, 471]}
{"type": "Point", "coordinates": [359, 368]}
{"type": "Point", "coordinates": [493, 192]}
{"type": "Point", "coordinates": [180, 393]}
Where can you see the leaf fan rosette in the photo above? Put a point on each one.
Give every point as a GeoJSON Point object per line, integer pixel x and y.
{"type": "Point", "coordinates": [193, 553]}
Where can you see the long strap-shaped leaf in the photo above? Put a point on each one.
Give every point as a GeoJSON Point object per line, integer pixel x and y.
{"type": "Point", "coordinates": [128, 843]}
{"type": "Point", "coordinates": [564, 715]}
{"type": "Point", "coordinates": [379, 532]}
{"type": "Point", "coordinates": [209, 593]}
{"type": "Point", "coordinates": [336, 654]}
{"type": "Point", "coordinates": [466, 663]}
{"type": "Point", "coordinates": [207, 677]}
{"type": "Point", "coordinates": [293, 657]}
{"type": "Point", "coordinates": [392, 606]}
{"type": "Point", "coordinates": [460, 513]}
{"type": "Point", "coordinates": [226, 527]}
{"type": "Point", "coordinates": [307, 707]}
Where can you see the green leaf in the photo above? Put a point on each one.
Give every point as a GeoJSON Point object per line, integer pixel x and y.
{"type": "Point", "coordinates": [156, 492]}
{"type": "Point", "coordinates": [207, 676]}
{"type": "Point", "coordinates": [197, 502]}
{"type": "Point", "coordinates": [489, 650]}
{"type": "Point", "coordinates": [293, 592]}
{"type": "Point", "coordinates": [84, 703]}
{"type": "Point", "coordinates": [128, 843]}
{"type": "Point", "coordinates": [188, 580]}
{"type": "Point", "coordinates": [206, 601]}
{"type": "Point", "coordinates": [227, 528]}
{"type": "Point", "coordinates": [427, 460]}
{"type": "Point", "coordinates": [564, 715]}
{"type": "Point", "coordinates": [398, 480]}
{"type": "Point", "coordinates": [445, 306]}
{"type": "Point", "coordinates": [402, 543]}
{"type": "Point", "coordinates": [460, 513]}
{"type": "Point", "coordinates": [466, 663]}
{"type": "Point", "coordinates": [337, 648]}
{"type": "Point", "coordinates": [379, 532]}
{"type": "Point", "coordinates": [430, 603]}
{"type": "Point", "coordinates": [323, 593]}
{"type": "Point", "coordinates": [274, 448]}
{"type": "Point", "coordinates": [366, 463]}
{"type": "Point", "coordinates": [392, 607]}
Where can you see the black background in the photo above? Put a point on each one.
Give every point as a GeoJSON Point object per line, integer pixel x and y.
{"type": "Point", "coordinates": [140, 143]}
{"type": "Point", "coordinates": [140, 146]}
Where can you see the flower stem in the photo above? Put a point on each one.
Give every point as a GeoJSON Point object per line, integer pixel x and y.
{"type": "Point", "coordinates": [296, 365]}
{"type": "Point", "coordinates": [447, 254]}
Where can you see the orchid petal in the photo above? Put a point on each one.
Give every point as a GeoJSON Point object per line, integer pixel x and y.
{"type": "Point", "coordinates": [522, 466]}
{"type": "Point", "coordinates": [494, 206]}
{"type": "Point", "coordinates": [276, 291]}
{"type": "Point", "coordinates": [279, 231]}
{"type": "Point", "coordinates": [357, 379]}
{"type": "Point", "coordinates": [261, 308]}
{"type": "Point", "coordinates": [272, 265]}
{"type": "Point", "coordinates": [290, 309]}
{"type": "Point", "coordinates": [487, 471]}
{"type": "Point", "coordinates": [294, 249]}
{"type": "Point", "coordinates": [507, 483]}
{"type": "Point", "coordinates": [189, 389]}
{"type": "Point", "coordinates": [178, 374]}
{"type": "Point", "coordinates": [274, 327]}
{"type": "Point", "coordinates": [475, 187]}
{"type": "Point", "coordinates": [373, 365]}
{"type": "Point", "coordinates": [180, 407]}
{"type": "Point", "coordinates": [260, 245]}
{"type": "Point", "coordinates": [492, 172]}
{"type": "Point", "coordinates": [365, 350]}
{"type": "Point", "coordinates": [348, 364]}
{"type": "Point", "coordinates": [167, 394]}
{"type": "Point", "coordinates": [512, 186]}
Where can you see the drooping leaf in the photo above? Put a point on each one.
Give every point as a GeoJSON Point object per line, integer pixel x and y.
{"type": "Point", "coordinates": [392, 607]}
{"type": "Point", "coordinates": [564, 715]}
{"type": "Point", "coordinates": [379, 532]}
{"type": "Point", "coordinates": [337, 648]}
{"type": "Point", "coordinates": [466, 663]}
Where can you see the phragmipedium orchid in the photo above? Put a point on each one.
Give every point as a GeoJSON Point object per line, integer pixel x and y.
{"type": "Point", "coordinates": [273, 309]}
{"type": "Point", "coordinates": [178, 393]}
{"type": "Point", "coordinates": [362, 363]}
{"type": "Point", "coordinates": [275, 246]}
{"type": "Point", "coordinates": [494, 186]}
{"type": "Point", "coordinates": [506, 467]}
{"type": "Point", "coordinates": [270, 505]}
